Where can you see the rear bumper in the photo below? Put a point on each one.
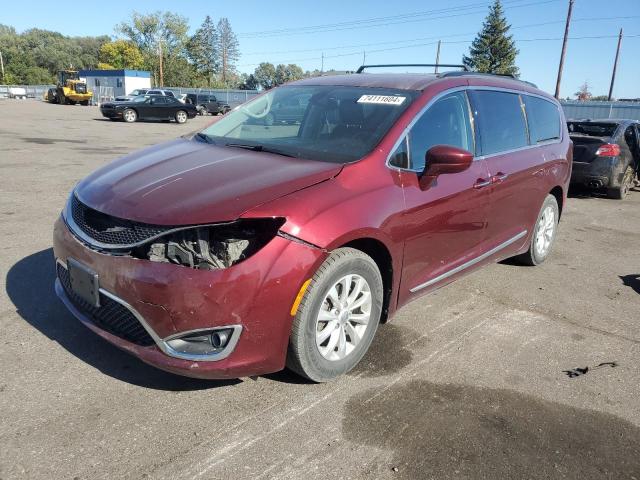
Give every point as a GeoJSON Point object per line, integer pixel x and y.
{"type": "Point", "coordinates": [601, 172]}
{"type": "Point", "coordinates": [255, 295]}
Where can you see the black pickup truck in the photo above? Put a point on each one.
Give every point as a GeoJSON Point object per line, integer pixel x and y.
{"type": "Point", "coordinates": [206, 103]}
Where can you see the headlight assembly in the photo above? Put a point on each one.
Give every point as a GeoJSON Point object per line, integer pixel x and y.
{"type": "Point", "coordinates": [212, 247]}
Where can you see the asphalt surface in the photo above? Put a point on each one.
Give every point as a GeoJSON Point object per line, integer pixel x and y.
{"type": "Point", "coordinates": [467, 383]}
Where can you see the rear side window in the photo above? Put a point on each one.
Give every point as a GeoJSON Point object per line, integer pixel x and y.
{"type": "Point", "coordinates": [446, 122]}
{"type": "Point", "coordinates": [500, 121]}
{"type": "Point", "coordinates": [544, 119]}
{"type": "Point", "coordinates": [168, 93]}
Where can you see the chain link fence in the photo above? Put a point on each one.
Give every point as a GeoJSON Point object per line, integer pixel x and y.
{"type": "Point", "coordinates": [106, 94]}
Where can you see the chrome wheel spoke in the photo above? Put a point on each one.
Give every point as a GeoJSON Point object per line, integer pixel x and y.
{"type": "Point", "coordinates": [354, 336]}
{"type": "Point", "coordinates": [360, 301]}
{"type": "Point", "coordinates": [360, 318]}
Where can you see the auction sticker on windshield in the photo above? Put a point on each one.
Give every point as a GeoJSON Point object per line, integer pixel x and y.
{"type": "Point", "coordinates": [382, 99]}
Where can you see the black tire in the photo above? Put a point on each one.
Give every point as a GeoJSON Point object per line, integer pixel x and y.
{"type": "Point", "coordinates": [84, 103]}
{"type": "Point", "coordinates": [619, 193]}
{"type": "Point", "coordinates": [304, 356]}
{"type": "Point", "coordinates": [202, 110]}
{"type": "Point", "coordinates": [533, 256]}
{"type": "Point", "coordinates": [130, 115]}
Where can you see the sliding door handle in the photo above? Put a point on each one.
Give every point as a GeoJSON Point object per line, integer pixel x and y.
{"type": "Point", "coordinates": [499, 177]}
{"type": "Point", "coordinates": [481, 183]}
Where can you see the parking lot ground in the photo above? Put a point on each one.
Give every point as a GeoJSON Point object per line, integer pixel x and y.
{"type": "Point", "coordinates": [486, 378]}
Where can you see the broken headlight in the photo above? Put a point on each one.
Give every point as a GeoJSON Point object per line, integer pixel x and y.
{"type": "Point", "coordinates": [214, 246]}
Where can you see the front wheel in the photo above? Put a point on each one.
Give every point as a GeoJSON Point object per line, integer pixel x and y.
{"type": "Point", "coordinates": [129, 115]}
{"type": "Point", "coordinates": [544, 233]}
{"type": "Point", "coordinates": [181, 116]}
{"type": "Point", "coordinates": [619, 193]}
{"type": "Point", "coordinates": [337, 317]}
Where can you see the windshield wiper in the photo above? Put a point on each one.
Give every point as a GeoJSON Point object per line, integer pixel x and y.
{"type": "Point", "coordinates": [205, 138]}
{"type": "Point", "coordinates": [258, 148]}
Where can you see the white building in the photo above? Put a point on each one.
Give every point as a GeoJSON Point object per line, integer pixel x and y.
{"type": "Point", "coordinates": [108, 84]}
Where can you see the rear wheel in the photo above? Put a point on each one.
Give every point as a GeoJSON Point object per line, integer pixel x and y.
{"type": "Point", "coordinates": [544, 233]}
{"type": "Point", "coordinates": [181, 116]}
{"type": "Point", "coordinates": [622, 191]}
{"type": "Point", "coordinates": [84, 103]}
{"type": "Point", "coordinates": [337, 317]}
{"type": "Point", "coordinates": [129, 115]}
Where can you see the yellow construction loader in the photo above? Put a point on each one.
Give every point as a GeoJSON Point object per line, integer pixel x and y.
{"type": "Point", "coordinates": [70, 90]}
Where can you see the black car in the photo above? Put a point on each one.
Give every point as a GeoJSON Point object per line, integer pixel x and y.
{"type": "Point", "coordinates": [154, 107]}
{"type": "Point", "coordinates": [606, 154]}
{"type": "Point", "coordinates": [207, 104]}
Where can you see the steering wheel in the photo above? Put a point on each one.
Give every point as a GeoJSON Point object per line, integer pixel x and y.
{"type": "Point", "coordinates": [269, 99]}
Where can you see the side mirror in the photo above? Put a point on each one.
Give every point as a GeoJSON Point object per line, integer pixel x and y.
{"type": "Point", "coordinates": [441, 159]}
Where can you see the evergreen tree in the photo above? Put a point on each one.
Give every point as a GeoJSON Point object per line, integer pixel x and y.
{"type": "Point", "coordinates": [493, 50]}
{"type": "Point", "coordinates": [228, 48]}
{"type": "Point", "coordinates": [203, 50]}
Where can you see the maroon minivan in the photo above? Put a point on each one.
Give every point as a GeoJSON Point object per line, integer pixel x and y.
{"type": "Point", "coordinates": [257, 244]}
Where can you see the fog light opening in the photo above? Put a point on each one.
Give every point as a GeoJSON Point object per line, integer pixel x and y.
{"type": "Point", "coordinates": [220, 338]}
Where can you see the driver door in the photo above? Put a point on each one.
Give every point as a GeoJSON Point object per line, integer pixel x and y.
{"type": "Point", "coordinates": [445, 223]}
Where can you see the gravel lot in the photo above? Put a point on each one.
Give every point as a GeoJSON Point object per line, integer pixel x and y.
{"type": "Point", "coordinates": [468, 382]}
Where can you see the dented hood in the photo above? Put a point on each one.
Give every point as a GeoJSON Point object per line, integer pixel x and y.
{"type": "Point", "coordinates": [185, 182]}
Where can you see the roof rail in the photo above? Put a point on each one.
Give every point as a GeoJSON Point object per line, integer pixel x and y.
{"type": "Point", "coordinates": [467, 72]}
{"type": "Point", "coordinates": [446, 65]}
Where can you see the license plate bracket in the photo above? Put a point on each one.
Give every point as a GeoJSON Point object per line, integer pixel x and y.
{"type": "Point", "coordinates": [84, 282]}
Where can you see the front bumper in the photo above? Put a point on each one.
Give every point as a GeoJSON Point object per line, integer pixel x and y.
{"type": "Point", "coordinates": [111, 113]}
{"type": "Point", "coordinates": [255, 295]}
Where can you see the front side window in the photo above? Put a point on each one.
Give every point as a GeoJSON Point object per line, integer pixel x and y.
{"type": "Point", "coordinates": [337, 124]}
{"type": "Point", "coordinates": [158, 100]}
{"type": "Point", "coordinates": [500, 121]}
{"type": "Point", "coordinates": [543, 118]}
{"type": "Point", "coordinates": [446, 122]}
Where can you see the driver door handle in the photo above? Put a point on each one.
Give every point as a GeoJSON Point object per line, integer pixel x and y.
{"type": "Point", "coordinates": [481, 183]}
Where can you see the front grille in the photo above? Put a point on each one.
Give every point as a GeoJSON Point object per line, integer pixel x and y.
{"type": "Point", "coordinates": [111, 316]}
{"type": "Point", "coordinates": [112, 230]}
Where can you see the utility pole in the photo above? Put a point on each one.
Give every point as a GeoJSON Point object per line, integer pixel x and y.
{"type": "Point", "coordinates": [2, 66]}
{"type": "Point", "coordinates": [564, 49]}
{"type": "Point", "coordinates": [435, 70]}
{"type": "Point", "coordinates": [322, 64]}
{"type": "Point", "coordinates": [160, 53]}
{"type": "Point", "coordinates": [364, 57]}
{"type": "Point", "coordinates": [615, 66]}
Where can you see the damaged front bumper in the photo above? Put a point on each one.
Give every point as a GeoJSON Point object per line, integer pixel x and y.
{"type": "Point", "coordinates": [250, 301]}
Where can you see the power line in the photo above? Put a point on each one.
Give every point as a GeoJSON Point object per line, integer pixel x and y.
{"type": "Point", "coordinates": [383, 22]}
{"type": "Point", "coordinates": [544, 39]}
{"type": "Point", "coordinates": [339, 47]}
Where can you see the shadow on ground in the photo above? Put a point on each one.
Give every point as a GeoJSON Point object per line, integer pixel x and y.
{"type": "Point", "coordinates": [632, 281]}
{"type": "Point", "coordinates": [455, 431]}
{"type": "Point", "coordinates": [30, 288]}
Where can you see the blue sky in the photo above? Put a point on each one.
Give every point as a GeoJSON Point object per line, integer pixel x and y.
{"type": "Point", "coordinates": [403, 31]}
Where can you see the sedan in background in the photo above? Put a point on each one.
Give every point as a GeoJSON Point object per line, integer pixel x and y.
{"type": "Point", "coordinates": [606, 155]}
{"type": "Point", "coordinates": [154, 107]}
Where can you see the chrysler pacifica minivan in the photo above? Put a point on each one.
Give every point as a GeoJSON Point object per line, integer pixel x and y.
{"type": "Point", "coordinates": [252, 245]}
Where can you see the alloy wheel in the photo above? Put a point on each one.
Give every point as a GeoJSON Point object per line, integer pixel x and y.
{"type": "Point", "coordinates": [545, 231]}
{"type": "Point", "coordinates": [343, 317]}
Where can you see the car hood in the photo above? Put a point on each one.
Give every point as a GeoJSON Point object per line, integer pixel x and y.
{"type": "Point", "coordinates": [186, 182]}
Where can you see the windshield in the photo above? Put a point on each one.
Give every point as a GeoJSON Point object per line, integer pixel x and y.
{"type": "Point", "coordinates": [329, 123]}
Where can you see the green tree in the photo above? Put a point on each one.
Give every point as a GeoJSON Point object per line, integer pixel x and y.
{"type": "Point", "coordinates": [584, 93]}
{"type": "Point", "coordinates": [493, 50]}
{"type": "Point", "coordinates": [228, 48]}
{"type": "Point", "coordinates": [248, 82]}
{"type": "Point", "coordinates": [120, 54]}
{"type": "Point", "coordinates": [288, 73]}
{"type": "Point", "coordinates": [203, 50]}
{"type": "Point", "coordinates": [265, 75]}
{"type": "Point", "coordinates": [162, 38]}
